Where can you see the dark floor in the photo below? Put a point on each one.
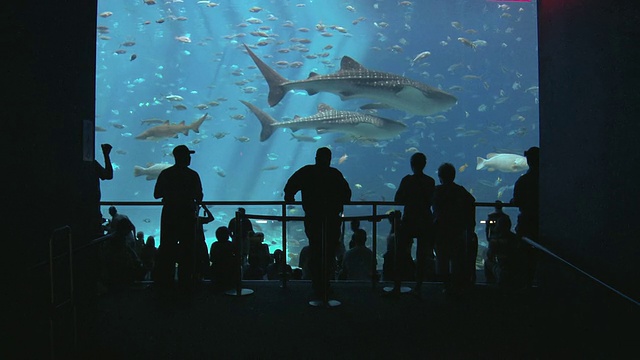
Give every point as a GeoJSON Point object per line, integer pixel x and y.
{"type": "Point", "coordinates": [278, 323]}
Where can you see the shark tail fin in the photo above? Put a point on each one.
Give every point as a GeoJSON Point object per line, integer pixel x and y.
{"type": "Point", "coordinates": [265, 120]}
{"type": "Point", "coordinates": [274, 80]}
{"type": "Point", "coordinates": [480, 163]}
{"type": "Point", "coordinates": [195, 126]}
{"type": "Point", "coordinates": [138, 170]}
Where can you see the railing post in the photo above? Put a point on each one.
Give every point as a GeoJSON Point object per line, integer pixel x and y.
{"type": "Point", "coordinates": [283, 213]}
{"type": "Point", "coordinates": [374, 246]}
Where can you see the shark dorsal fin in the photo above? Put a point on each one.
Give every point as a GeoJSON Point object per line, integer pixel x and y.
{"type": "Point", "coordinates": [324, 107]}
{"type": "Point", "coordinates": [166, 122]}
{"type": "Point", "coordinates": [312, 74]}
{"type": "Point", "coordinates": [295, 117]}
{"type": "Point", "coordinates": [348, 63]}
{"type": "Point", "coordinates": [182, 122]}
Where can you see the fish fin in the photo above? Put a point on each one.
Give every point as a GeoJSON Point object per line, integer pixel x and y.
{"type": "Point", "coordinates": [137, 170]}
{"type": "Point", "coordinates": [345, 95]}
{"type": "Point", "coordinates": [480, 163]}
{"type": "Point", "coordinates": [265, 119]}
{"type": "Point", "coordinates": [150, 177]}
{"type": "Point", "coordinates": [274, 80]}
{"type": "Point", "coordinates": [491, 169]}
{"type": "Point", "coordinates": [490, 155]}
{"type": "Point", "coordinates": [322, 131]}
{"type": "Point", "coordinates": [347, 63]}
{"type": "Point", "coordinates": [324, 107]}
{"type": "Point", "coordinates": [374, 106]}
{"type": "Point", "coordinates": [195, 126]}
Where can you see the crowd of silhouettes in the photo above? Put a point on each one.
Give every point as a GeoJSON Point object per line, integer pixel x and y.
{"type": "Point", "coordinates": [440, 218]}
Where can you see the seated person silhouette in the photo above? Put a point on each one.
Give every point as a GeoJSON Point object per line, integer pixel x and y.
{"type": "Point", "coordinates": [279, 268]}
{"type": "Point", "coordinates": [224, 264]}
{"type": "Point", "coordinates": [259, 249]}
{"type": "Point", "coordinates": [254, 270]}
{"type": "Point", "coordinates": [505, 258]}
{"type": "Point", "coordinates": [358, 261]}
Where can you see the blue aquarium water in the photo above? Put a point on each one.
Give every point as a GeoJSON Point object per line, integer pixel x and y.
{"type": "Point", "coordinates": [175, 61]}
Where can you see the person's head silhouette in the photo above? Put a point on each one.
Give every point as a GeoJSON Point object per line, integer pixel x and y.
{"type": "Point", "coordinates": [182, 155]}
{"type": "Point", "coordinates": [418, 162]}
{"type": "Point", "coordinates": [446, 173]}
{"type": "Point", "coordinates": [533, 157]}
{"type": "Point", "coordinates": [323, 156]}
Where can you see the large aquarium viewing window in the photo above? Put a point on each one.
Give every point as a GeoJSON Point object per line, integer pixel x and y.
{"type": "Point", "coordinates": [459, 83]}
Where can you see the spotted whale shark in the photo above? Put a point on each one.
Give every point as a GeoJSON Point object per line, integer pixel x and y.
{"type": "Point", "coordinates": [328, 120]}
{"type": "Point", "coordinates": [355, 81]}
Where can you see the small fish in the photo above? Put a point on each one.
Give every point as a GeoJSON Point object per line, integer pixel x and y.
{"type": "Point", "coordinates": [343, 158]}
{"type": "Point", "coordinates": [133, 57]}
{"type": "Point", "coordinates": [463, 167]}
{"type": "Point", "coordinates": [421, 56]}
{"type": "Point", "coordinates": [220, 171]}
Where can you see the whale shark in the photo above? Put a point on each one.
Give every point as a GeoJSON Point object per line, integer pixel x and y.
{"type": "Point", "coordinates": [329, 120]}
{"type": "Point", "coordinates": [355, 81]}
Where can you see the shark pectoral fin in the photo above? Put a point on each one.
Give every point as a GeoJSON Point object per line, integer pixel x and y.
{"type": "Point", "coordinates": [375, 106]}
{"type": "Point", "coordinates": [345, 95]}
{"type": "Point", "coordinates": [321, 131]}
{"type": "Point", "coordinates": [311, 92]}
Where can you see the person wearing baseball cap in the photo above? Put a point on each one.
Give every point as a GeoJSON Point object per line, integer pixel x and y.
{"type": "Point", "coordinates": [180, 189]}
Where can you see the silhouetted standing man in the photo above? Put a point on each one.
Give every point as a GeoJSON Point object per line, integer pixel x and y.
{"type": "Point", "coordinates": [526, 197]}
{"type": "Point", "coordinates": [454, 219]}
{"type": "Point", "coordinates": [324, 193]}
{"type": "Point", "coordinates": [181, 192]}
{"type": "Point", "coordinates": [416, 193]}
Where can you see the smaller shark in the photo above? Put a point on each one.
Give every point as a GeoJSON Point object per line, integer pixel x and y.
{"type": "Point", "coordinates": [327, 119]}
{"type": "Point", "coordinates": [168, 130]}
{"type": "Point", "coordinates": [355, 81]}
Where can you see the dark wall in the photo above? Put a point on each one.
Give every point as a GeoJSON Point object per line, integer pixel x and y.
{"type": "Point", "coordinates": [589, 99]}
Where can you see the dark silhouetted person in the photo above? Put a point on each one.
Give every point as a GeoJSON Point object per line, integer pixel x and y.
{"type": "Point", "coordinates": [181, 191]}
{"type": "Point", "coordinates": [123, 264]}
{"type": "Point", "coordinates": [489, 230]}
{"type": "Point", "coordinates": [99, 173]}
{"type": "Point", "coordinates": [224, 264]}
{"type": "Point", "coordinates": [139, 242]}
{"type": "Point", "coordinates": [416, 194]}
{"type": "Point", "coordinates": [122, 226]}
{"type": "Point", "coordinates": [279, 268]}
{"type": "Point", "coordinates": [202, 254]}
{"type": "Point", "coordinates": [260, 250]}
{"type": "Point", "coordinates": [358, 261]}
{"type": "Point", "coordinates": [526, 197]}
{"type": "Point", "coordinates": [453, 210]}
{"type": "Point", "coordinates": [505, 261]}
{"type": "Point", "coordinates": [303, 263]}
{"type": "Point", "coordinates": [148, 257]}
{"type": "Point", "coordinates": [398, 264]}
{"type": "Point", "coordinates": [355, 225]}
{"type": "Point", "coordinates": [324, 193]}
{"type": "Point", "coordinates": [241, 232]}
